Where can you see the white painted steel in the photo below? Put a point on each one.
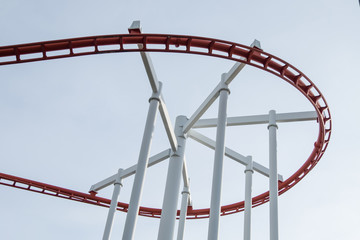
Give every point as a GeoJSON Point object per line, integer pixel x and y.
{"type": "Point", "coordinates": [186, 180]}
{"type": "Point", "coordinates": [238, 66]}
{"type": "Point", "coordinates": [203, 107]}
{"type": "Point", "coordinates": [177, 164]}
{"type": "Point", "coordinates": [230, 153]}
{"type": "Point", "coordinates": [172, 188]}
{"type": "Point", "coordinates": [185, 174]}
{"type": "Point", "coordinates": [134, 204]}
{"type": "Point", "coordinates": [183, 212]}
{"type": "Point", "coordinates": [167, 124]}
{"type": "Point", "coordinates": [154, 83]}
{"type": "Point", "coordinates": [113, 205]}
{"type": "Point", "coordinates": [248, 199]}
{"type": "Point", "coordinates": [226, 79]}
{"type": "Point", "coordinates": [259, 119]}
{"type": "Point", "coordinates": [135, 25]}
{"type": "Point", "coordinates": [215, 203]}
{"type": "Point", "coordinates": [156, 86]}
{"type": "Point", "coordinates": [273, 180]}
{"type": "Point", "coordinates": [130, 171]}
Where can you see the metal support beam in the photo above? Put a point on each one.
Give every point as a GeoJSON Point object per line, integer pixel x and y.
{"type": "Point", "coordinates": [203, 107]}
{"type": "Point", "coordinates": [248, 199]}
{"type": "Point", "coordinates": [172, 188]}
{"type": "Point", "coordinates": [154, 83]}
{"type": "Point", "coordinates": [273, 180]}
{"type": "Point", "coordinates": [238, 66]}
{"type": "Point", "coordinates": [167, 124]}
{"type": "Point", "coordinates": [215, 204]}
{"type": "Point", "coordinates": [113, 205]}
{"type": "Point", "coordinates": [230, 153]}
{"type": "Point", "coordinates": [136, 192]}
{"type": "Point", "coordinates": [226, 79]}
{"type": "Point", "coordinates": [130, 171]}
{"type": "Point", "coordinates": [186, 180]}
{"type": "Point", "coordinates": [183, 212]}
{"type": "Point", "coordinates": [155, 86]}
{"type": "Point", "coordinates": [259, 119]}
{"type": "Point", "coordinates": [135, 28]}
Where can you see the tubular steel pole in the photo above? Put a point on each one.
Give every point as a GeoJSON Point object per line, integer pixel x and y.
{"type": "Point", "coordinates": [248, 201]}
{"type": "Point", "coordinates": [136, 192]}
{"type": "Point", "coordinates": [273, 179]}
{"type": "Point", "coordinates": [112, 209]}
{"type": "Point", "coordinates": [213, 230]}
{"type": "Point", "coordinates": [183, 212]}
{"type": "Point", "coordinates": [172, 188]}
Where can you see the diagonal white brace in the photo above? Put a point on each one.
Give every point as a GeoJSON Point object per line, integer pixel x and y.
{"type": "Point", "coordinates": [238, 66]}
{"type": "Point", "coordinates": [167, 124]}
{"type": "Point", "coordinates": [204, 106]}
{"type": "Point", "coordinates": [230, 153]}
{"type": "Point", "coordinates": [259, 119]}
{"type": "Point", "coordinates": [130, 171]}
{"type": "Point", "coordinates": [150, 70]}
{"type": "Point", "coordinates": [226, 78]}
{"type": "Point", "coordinates": [155, 86]}
{"type": "Point", "coordinates": [136, 27]}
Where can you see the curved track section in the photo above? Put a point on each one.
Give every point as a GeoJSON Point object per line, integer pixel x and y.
{"type": "Point", "coordinates": [42, 51]}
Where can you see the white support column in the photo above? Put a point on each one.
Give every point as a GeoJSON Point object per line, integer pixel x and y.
{"type": "Point", "coordinates": [248, 199]}
{"type": "Point", "coordinates": [215, 204]}
{"type": "Point", "coordinates": [172, 188]}
{"type": "Point", "coordinates": [113, 205]}
{"type": "Point", "coordinates": [183, 212]}
{"type": "Point", "coordinates": [136, 192]}
{"type": "Point", "coordinates": [273, 179]}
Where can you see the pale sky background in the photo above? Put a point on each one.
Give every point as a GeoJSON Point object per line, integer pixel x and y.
{"type": "Point", "coordinates": [73, 122]}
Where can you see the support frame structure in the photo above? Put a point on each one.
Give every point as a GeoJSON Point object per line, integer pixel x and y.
{"type": "Point", "coordinates": [241, 54]}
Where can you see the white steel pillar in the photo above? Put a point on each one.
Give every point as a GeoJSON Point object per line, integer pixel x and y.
{"type": "Point", "coordinates": [136, 192]}
{"type": "Point", "coordinates": [172, 188]}
{"type": "Point", "coordinates": [215, 204]}
{"type": "Point", "coordinates": [113, 205]}
{"type": "Point", "coordinates": [183, 212]}
{"type": "Point", "coordinates": [248, 199]}
{"type": "Point", "coordinates": [273, 179]}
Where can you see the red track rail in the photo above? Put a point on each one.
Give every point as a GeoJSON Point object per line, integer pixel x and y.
{"type": "Point", "coordinates": [42, 51]}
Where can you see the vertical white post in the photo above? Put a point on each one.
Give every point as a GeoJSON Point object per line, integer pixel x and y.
{"type": "Point", "coordinates": [248, 199]}
{"type": "Point", "coordinates": [113, 205]}
{"type": "Point", "coordinates": [273, 179]}
{"type": "Point", "coordinates": [172, 188]}
{"type": "Point", "coordinates": [183, 212]}
{"type": "Point", "coordinates": [215, 203]}
{"type": "Point", "coordinates": [136, 192]}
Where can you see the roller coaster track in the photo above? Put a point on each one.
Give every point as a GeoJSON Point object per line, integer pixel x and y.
{"type": "Point", "coordinates": [43, 51]}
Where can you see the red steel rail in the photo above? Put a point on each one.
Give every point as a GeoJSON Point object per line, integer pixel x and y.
{"type": "Point", "coordinates": [65, 48]}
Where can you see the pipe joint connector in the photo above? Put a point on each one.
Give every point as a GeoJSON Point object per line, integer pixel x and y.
{"type": "Point", "coordinates": [185, 192]}
{"type": "Point", "coordinates": [225, 89]}
{"type": "Point", "coordinates": [118, 183]}
{"type": "Point", "coordinates": [272, 125]}
{"type": "Point", "coordinates": [157, 98]}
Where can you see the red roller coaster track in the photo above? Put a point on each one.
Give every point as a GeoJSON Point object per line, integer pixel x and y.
{"type": "Point", "coordinates": [65, 48]}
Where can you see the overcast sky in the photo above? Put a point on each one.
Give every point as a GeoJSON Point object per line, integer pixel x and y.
{"type": "Point", "coordinates": [73, 122]}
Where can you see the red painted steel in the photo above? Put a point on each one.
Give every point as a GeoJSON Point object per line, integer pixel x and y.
{"type": "Point", "coordinates": [41, 51]}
